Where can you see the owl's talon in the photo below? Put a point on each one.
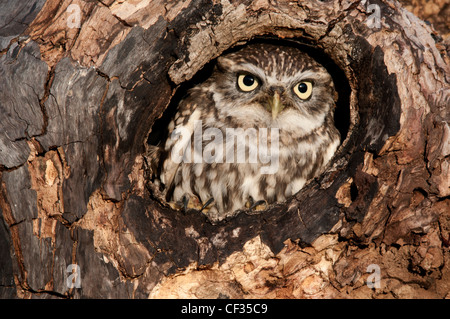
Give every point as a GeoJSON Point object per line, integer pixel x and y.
{"type": "Point", "coordinates": [185, 203]}
{"type": "Point", "coordinates": [208, 202]}
{"type": "Point", "coordinates": [259, 203]}
{"type": "Point", "coordinates": [249, 203]}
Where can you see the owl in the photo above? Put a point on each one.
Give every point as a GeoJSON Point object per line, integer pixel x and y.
{"type": "Point", "coordinates": [250, 135]}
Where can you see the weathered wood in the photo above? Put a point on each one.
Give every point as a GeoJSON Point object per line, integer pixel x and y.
{"type": "Point", "coordinates": [83, 86]}
{"type": "Point", "coordinates": [15, 16]}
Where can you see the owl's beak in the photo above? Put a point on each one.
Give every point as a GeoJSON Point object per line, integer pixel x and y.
{"type": "Point", "coordinates": [275, 104]}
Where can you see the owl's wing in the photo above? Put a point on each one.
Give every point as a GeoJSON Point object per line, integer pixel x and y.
{"type": "Point", "coordinates": [153, 156]}
{"type": "Point", "coordinates": [178, 146]}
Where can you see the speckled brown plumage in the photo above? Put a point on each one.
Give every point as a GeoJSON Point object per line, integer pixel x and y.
{"type": "Point", "coordinates": [307, 138]}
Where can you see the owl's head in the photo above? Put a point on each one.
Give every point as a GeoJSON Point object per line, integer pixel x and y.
{"type": "Point", "coordinates": [273, 86]}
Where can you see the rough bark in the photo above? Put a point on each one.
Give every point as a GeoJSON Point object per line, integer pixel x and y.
{"type": "Point", "coordinates": [77, 105]}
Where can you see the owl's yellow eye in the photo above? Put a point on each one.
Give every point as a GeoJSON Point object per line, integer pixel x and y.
{"type": "Point", "coordinates": [303, 89]}
{"type": "Point", "coordinates": [247, 82]}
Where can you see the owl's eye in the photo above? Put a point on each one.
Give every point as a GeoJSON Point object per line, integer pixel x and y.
{"type": "Point", "coordinates": [247, 82]}
{"type": "Point", "coordinates": [303, 89]}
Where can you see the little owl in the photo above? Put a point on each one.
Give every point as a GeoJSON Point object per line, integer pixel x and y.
{"type": "Point", "coordinates": [254, 132]}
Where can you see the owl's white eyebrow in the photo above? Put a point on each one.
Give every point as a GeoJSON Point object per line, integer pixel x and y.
{"type": "Point", "coordinates": [308, 74]}
{"type": "Point", "coordinates": [250, 68]}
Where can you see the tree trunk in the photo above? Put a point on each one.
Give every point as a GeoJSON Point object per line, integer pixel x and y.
{"type": "Point", "coordinates": [82, 84]}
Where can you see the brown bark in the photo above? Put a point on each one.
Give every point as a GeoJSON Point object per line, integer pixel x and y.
{"type": "Point", "coordinates": [77, 106]}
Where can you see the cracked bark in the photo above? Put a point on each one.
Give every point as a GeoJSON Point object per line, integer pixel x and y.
{"type": "Point", "coordinates": [77, 105]}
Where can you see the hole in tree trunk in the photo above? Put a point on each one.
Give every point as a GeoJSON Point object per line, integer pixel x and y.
{"type": "Point", "coordinates": [367, 113]}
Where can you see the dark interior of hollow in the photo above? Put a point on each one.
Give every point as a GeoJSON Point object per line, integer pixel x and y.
{"type": "Point", "coordinates": [342, 113]}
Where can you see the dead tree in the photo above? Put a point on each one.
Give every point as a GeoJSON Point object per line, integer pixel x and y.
{"type": "Point", "coordinates": [83, 83]}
